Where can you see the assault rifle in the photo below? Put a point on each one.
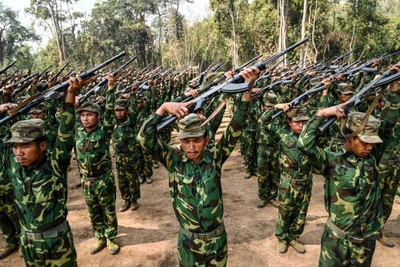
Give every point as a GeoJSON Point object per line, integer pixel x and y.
{"type": "Point", "coordinates": [29, 81]}
{"type": "Point", "coordinates": [101, 84]}
{"type": "Point", "coordinates": [7, 67]}
{"type": "Point", "coordinates": [270, 87]}
{"type": "Point", "coordinates": [233, 85]}
{"type": "Point", "coordinates": [345, 55]}
{"type": "Point", "coordinates": [15, 84]}
{"type": "Point", "coordinates": [59, 72]}
{"type": "Point", "coordinates": [39, 97]}
{"type": "Point", "coordinates": [386, 78]}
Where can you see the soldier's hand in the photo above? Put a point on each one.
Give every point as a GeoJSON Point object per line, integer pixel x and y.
{"type": "Point", "coordinates": [175, 108]}
{"type": "Point", "coordinates": [250, 74]}
{"type": "Point", "coordinates": [111, 80]}
{"type": "Point", "coordinates": [75, 83]}
{"type": "Point", "coordinates": [336, 111]}
{"type": "Point", "coordinates": [283, 106]}
{"type": "Point", "coordinates": [6, 107]}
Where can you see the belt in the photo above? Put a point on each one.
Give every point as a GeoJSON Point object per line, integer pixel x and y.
{"type": "Point", "coordinates": [220, 230]}
{"type": "Point", "coordinates": [345, 235]}
{"type": "Point", "coordinates": [93, 179]}
{"type": "Point", "coordinates": [53, 232]}
{"type": "Point", "coordinates": [296, 181]}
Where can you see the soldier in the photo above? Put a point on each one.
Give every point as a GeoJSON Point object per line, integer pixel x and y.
{"type": "Point", "coordinates": [126, 156]}
{"type": "Point", "coordinates": [94, 162]}
{"type": "Point", "coordinates": [195, 178]}
{"type": "Point", "coordinates": [40, 187]}
{"type": "Point", "coordinates": [267, 163]}
{"type": "Point", "coordinates": [352, 190]}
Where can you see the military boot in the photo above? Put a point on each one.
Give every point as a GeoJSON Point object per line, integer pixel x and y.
{"type": "Point", "coordinates": [247, 175]}
{"type": "Point", "coordinates": [386, 241]}
{"type": "Point", "coordinates": [155, 165]}
{"type": "Point", "coordinates": [149, 180]}
{"type": "Point", "coordinates": [126, 206]}
{"type": "Point", "coordinates": [298, 246]}
{"type": "Point", "coordinates": [141, 180]}
{"type": "Point", "coordinates": [135, 205]}
{"type": "Point", "coordinates": [112, 247]}
{"type": "Point", "coordinates": [98, 246]}
{"type": "Point", "coordinates": [274, 203]}
{"type": "Point", "coordinates": [9, 249]}
{"type": "Point", "coordinates": [261, 203]}
{"type": "Point", "coordinates": [282, 247]}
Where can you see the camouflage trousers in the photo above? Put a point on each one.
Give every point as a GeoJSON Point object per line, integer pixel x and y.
{"type": "Point", "coordinates": [100, 203]}
{"type": "Point", "coordinates": [337, 251]}
{"type": "Point", "coordinates": [146, 170]}
{"type": "Point", "coordinates": [9, 224]}
{"type": "Point", "coordinates": [389, 175]}
{"type": "Point", "coordinates": [250, 150]}
{"type": "Point", "coordinates": [212, 252]}
{"type": "Point", "coordinates": [128, 169]}
{"type": "Point", "coordinates": [294, 198]}
{"type": "Point", "coordinates": [268, 173]}
{"type": "Point", "coordinates": [50, 252]}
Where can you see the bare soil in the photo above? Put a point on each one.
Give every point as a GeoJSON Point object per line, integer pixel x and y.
{"type": "Point", "coordinates": [148, 236]}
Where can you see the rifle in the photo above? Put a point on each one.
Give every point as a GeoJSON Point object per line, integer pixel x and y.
{"type": "Point", "coordinates": [7, 67]}
{"type": "Point", "coordinates": [98, 87]}
{"type": "Point", "coordinates": [345, 55]}
{"type": "Point", "coordinates": [270, 86]}
{"type": "Point", "coordinates": [59, 72]}
{"type": "Point", "coordinates": [233, 85]}
{"type": "Point", "coordinates": [15, 84]}
{"type": "Point", "coordinates": [39, 97]}
{"type": "Point", "coordinates": [386, 78]}
{"type": "Point", "coordinates": [28, 82]}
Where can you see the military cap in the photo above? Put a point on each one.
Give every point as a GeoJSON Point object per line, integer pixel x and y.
{"type": "Point", "coordinates": [91, 107]}
{"type": "Point", "coordinates": [315, 81]}
{"type": "Point", "coordinates": [345, 88]}
{"type": "Point", "coordinates": [140, 97]}
{"type": "Point", "coordinates": [298, 114]}
{"type": "Point", "coordinates": [210, 77]}
{"type": "Point", "coordinates": [26, 131]}
{"type": "Point", "coordinates": [190, 122]}
{"type": "Point", "coordinates": [370, 132]}
{"type": "Point", "coordinates": [270, 100]}
{"type": "Point", "coordinates": [121, 104]}
{"type": "Point", "coordinates": [39, 108]}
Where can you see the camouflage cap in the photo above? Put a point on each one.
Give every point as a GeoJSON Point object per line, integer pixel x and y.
{"type": "Point", "coordinates": [189, 122]}
{"type": "Point", "coordinates": [270, 100]}
{"type": "Point", "coordinates": [370, 132]}
{"type": "Point", "coordinates": [210, 77]}
{"type": "Point", "coordinates": [345, 88]}
{"type": "Point", "coordinates": [39, 108]}
{"type": "Point", "coordinates": [26, 131]}
{"type": "Point", "coordinates": [298, 114]}
{"type": "Point", "coordinates": [140, 97]}
{"type": "Point", "coordinates": [91, 107]}
{"type": "Point", "coordinates": [315, 81]}
{"type": "Point", "coordinates": [121, 104]}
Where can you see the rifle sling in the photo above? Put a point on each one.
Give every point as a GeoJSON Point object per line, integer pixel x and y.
{"type": "Point", "coordinates": [365, 119]}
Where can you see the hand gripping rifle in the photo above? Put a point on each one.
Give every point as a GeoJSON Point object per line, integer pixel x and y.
{"type": "Point", "coordinates": [29, 81]}
{"type": "Point", "coordinates": [15, 84]}
{"type": "Point", "coordinates": [6, 68]}
{"type": "Point", "coordinates": [233, 85]}
{"type": "Point", "coordinates": [101, 84]}
{"type": "Point", "coordinates": [59, 72]}
{"type": "Point", "coordinates": [386, 78]}
{"type": "Point", "coordinates": [35, 100]}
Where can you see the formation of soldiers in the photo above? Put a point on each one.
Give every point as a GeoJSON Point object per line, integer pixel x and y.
{"type": "Point", "coordinates": [282, 151]}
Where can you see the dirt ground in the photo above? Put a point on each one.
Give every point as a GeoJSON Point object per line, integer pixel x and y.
{"type": "Point", "coordinates": [148, 236]}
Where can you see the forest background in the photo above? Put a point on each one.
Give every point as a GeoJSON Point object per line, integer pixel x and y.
{"type": "Point", "coordinates": [160, 34]}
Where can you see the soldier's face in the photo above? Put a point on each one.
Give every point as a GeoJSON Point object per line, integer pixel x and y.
{"type": "Point", "coordinates": [40, 115]}
{"type": "Point", "coordinates": [89, 119]}
{"type": "Point", "coordinates": [297, 126]}
{"type": "Point", "coordinates": [28, 154]}
{"type": "Point", "coordinates": [121, 114]}
{"type": "Point", "coordinates": [194, 147]}
{"type": "Point", "coordinates": [344, 97]}
{"type": "Point", "coordinates": [358, 147]}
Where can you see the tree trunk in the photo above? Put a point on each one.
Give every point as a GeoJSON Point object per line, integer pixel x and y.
{"type": "Point", "coordinates": [313, 31]}
{"type": "Point", "coordinates": [282, 28]}
{"type": "Point", "coordinates": [235, 45]}
{"type": "Point", "coordinates": [353, 31]}
{"type": "Point", "coordinates": [303, 33]}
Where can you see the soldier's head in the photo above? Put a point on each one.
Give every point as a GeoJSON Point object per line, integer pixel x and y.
{"type": "Point", "coordinates": [297, 119]}
{"type": "Point", "coordinates": [90, 114]}
{"type": "Point", "coordinates": [121, 108]}
{"type": "Point", "coordinates": [270, 100]}
{"type": "Point", "coordinates": [362, 144]}
{"type": "Point", "coordinates": [345, 92]}
{"type": "Point", "coordinates": [38, 112]}
{"type": "Point", "coordinates": [28, 141]}
{"type": "Point", "coordinates": [192, 137]}
{"type": "Point", "coordinates": [140, 100]}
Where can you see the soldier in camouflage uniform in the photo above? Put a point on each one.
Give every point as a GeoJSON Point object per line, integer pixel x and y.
{"type": "Point", "coordinates": [294, 192]}
{"type": "Point", "coordinates": [40, 188]}
{"type": "Point", "coordinates": [126, 157]}
{"type": "Point", "coordinates": [195, 179]}
{"type": "Point", "coordinates": [352, 190]}
{"type": "Point", "coordinates": [267, 158]}
{"type": "Point", "coordinates": [94, 162]}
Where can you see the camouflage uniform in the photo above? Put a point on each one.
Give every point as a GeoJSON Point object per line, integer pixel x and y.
{"type": "Point", "coordinates": [126, 158]}
{"type": "Point", "coordinates": [40, 195]}
{"type": "Point", "coordinates": [195, 190]}
{"type": "Point", "coordinates": [352, 190]}
{"type": "Point", "coordinates": [94, 162]}
{"type": "Point", "coordinates": [267, 157]}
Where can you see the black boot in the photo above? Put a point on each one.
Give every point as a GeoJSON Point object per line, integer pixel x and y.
{"type": "Point", "coordinates": [126, 206]}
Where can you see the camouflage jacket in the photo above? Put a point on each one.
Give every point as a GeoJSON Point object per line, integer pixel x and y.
{"type": "Point", "coordinates": [293, 164]}
{"type": "Point", "coordinates": [352, 192]}
{"type": "Point", "coordinates": [195, 190]}
{"type": "Point", "coordinates": [40, 191]}
{"type": "Point", "coordinates": [124, 137]}
{"type": "Point", "coordinates": [93, 148]}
